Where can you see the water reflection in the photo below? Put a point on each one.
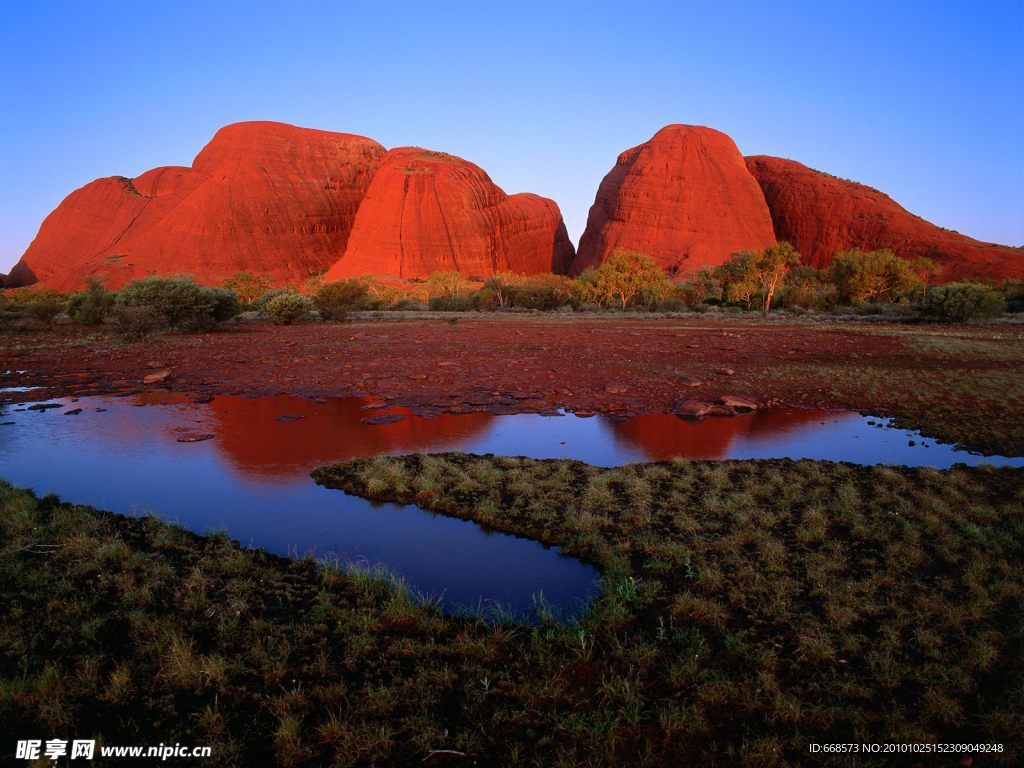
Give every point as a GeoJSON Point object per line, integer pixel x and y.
{"type": "Point", "coordinates": [252, 477]}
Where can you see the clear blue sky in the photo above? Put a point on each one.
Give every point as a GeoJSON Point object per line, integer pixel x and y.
{"type": "Point", "coordinates": [924, 100]}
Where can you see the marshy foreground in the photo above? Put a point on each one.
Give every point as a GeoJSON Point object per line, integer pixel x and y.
{"type": "Point", "coordinates": [742, 610]}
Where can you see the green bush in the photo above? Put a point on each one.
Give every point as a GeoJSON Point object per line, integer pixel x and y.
{"type": "Point", "coordinates": [544, 292]}
{"type": "Point", "coordinates": [247, 286]}
{"type": "Point", "coordinates": [959, 302]}
{"type": "Point", "coordinates": [43, 310]}
{"type": "Point", "coordinates": [873, 276]}
{"type": "Point", "coordinates": [90, 307]}
{"type": "Point", "coordinates": [289, 307]}
{"type": "Point", "coordinates": [805, 287]}
{"type": "Point", "coordinates": [137, 322]}
{"type": "Point", "coordinates": [336, 300]}
{"type": "Point", "coordinates": [455, 303]}
{"type": "Point", "coordinates": [185, 305]}
{"type": "Point", "coordinates": [627, 279]}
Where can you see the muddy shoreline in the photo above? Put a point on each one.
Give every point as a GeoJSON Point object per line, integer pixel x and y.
{"type": "Point", "coordinates": [931, 377]}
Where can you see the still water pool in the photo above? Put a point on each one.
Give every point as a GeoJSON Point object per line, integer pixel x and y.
{"type": "Point", "coordinates": [249, 474]}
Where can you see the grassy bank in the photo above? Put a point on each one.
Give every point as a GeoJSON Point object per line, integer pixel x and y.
{"type": "Point", "coordinates": [750, 608]}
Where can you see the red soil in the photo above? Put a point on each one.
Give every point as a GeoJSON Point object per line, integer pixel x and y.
{"type": "Point", "coordinates": [501, 365]}
{"type": "Point", "coordinates": [684, 197]}
{"type": "Point", "coordinates": [822, 215]}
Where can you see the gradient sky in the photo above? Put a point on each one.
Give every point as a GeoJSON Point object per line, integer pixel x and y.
{"type": "Point", "coordinates": [924, 100]}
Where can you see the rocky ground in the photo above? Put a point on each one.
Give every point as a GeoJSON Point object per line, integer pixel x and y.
{"type": "Point", "coordinates": [960, 384]}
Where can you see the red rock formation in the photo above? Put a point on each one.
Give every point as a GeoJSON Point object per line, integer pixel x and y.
{"type": "Point", "coordinates": [428, 211]}
{"type": "Point", "coordinates": [684, 197]}
{"type": "Point", "coordinates": [264, 197]}
{"type": "Point", "coordinates": [822, 215]}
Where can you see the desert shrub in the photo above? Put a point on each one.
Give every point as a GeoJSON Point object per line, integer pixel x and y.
{"type": "Point", "coordinates": [545, 292]}
{"type": "Point", "coordinates": [90, 306]}
{"type": "Point", "coordinates": [137, 322]}
{"type": "Point", "coordinates": [380, 295]}
{"type": "Point", "coordinates": [43, 310]}
{"type": "Point", "coordinates": [247, 286]}
{"type": "Point", "coordinates": [873, 276]}
{"type": "Point", "coordinates": [288, 307]}
{"type": "Point", "coordinates": [484, 300]}
{"type": "Point", "coordinates": [959, 302]}
{"type": "Point", "coordinates": [501, 288]}
{"type": "Point", "coordinates": [806, 287]}
{"type": "Point", "coordinates": [185, 305]}
{"type": "Point", "coordinates": [447, 285]}
{"type": "Point", "coordinates": [409, 304]}
{"type": "Point", "coordinates": [1013, 292]}
{"type": "Point", "coordinates": [261, 303]}
{"type": "Point", "coordinates": [455, 303]}
{"type": "Point", "coordinates": [226, 303]}
{"type": "Point", "coordinates": [336, 300]}
{"type": "Point", "coordinates": [698, 289]}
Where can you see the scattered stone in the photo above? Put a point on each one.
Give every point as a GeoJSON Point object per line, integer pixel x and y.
{"type": "Point", "coordinates": [156, 378]}
{"type": "Point", "coordinates": [195, 438]}
{"type": "Point", "coordinates": [694, 409]}
{"type": "Point", "coordinates": [385, 419]}
{"type": "Point", "coordinates": [616, 389]}
{"type": "Point", "coordinates": [73, 412]}
{"type": "Point", "coordinates": [690, 381]}
{"type": "Point", "coordinates": [738, 403]}
{"type": "Point", "coordinates": [155, 364]}
{"type": "Point", "coordinates": [727, 372]}
{"type": "Point", "coordinates": [44, 406]}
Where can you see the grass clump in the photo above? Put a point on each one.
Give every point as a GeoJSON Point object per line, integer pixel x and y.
{"type": "Point", "coordinates": [288, 307]}
{"type": "Point", "coordinates": [748, 609]}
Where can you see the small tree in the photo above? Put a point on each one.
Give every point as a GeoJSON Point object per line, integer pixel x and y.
{"type": "Point", "coordinates": [247, 286]}
{"type": "Point", "coordinates": [700, 288]}
{"type": "Point", "coordinates": [739, 279]}
{"type": "Point", "coordinates": [447, 285]}
{"type": "Point", "coordinates": [503, 288]}
{"type": "Point", "coordinates": [876, 276]}
{"type": "Point", "coordinates": [770, 267]}
{"type": "Point", "coordinates": [628, 277]}
{"type": "Point", "coordinates": [925, 269]}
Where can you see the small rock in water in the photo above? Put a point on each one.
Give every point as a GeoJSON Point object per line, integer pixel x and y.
{"type": "Point", "coordinates": [155, 378]}
{"type": "Point", "coordinates": [44, 406]}
{"type": "Point", "coordinates": [73, 412]}
{"type": "Point", "coordinates": [739, 403]}
{"type": "Point", "coordinates": [203, 400]}
{"type": "Point", "coordinates": [290, 417]}
{"type": "Point", "coordinates": [386, 419]}
{"type": "Point", "coordinates": [694, 409]}
{"type": "Point", "coordinates": [195, 438]}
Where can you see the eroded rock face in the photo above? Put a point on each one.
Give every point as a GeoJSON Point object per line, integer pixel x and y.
{"type": "Point", "coordinates": [684, 197]}
{"type": "Point", "coordinates": [822, 215]}
{"type": "Point", "coordinates": [263, 197]}
{"type": "Point", "coordinates": [429, 211]}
